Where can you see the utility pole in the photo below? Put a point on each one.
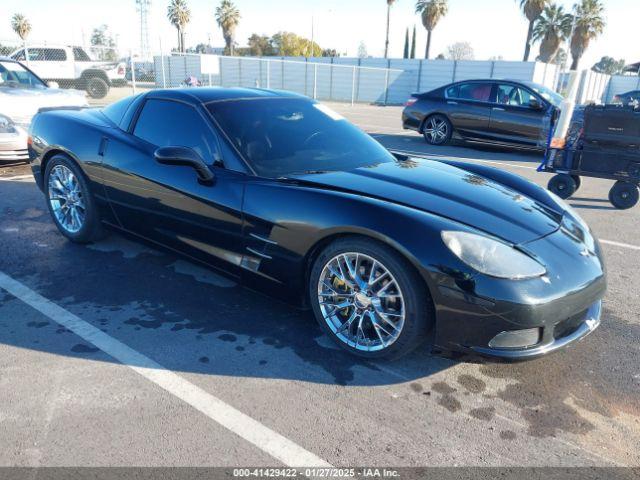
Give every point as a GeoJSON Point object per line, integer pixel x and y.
{"type": "Point", "coordinates": [143, 7]}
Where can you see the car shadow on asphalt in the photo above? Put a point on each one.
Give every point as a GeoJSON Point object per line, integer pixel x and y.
{"type": "Point", "coordinates": [182, 315]}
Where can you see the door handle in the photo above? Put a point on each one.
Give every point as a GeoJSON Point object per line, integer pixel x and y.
{"type": "Point", "coordinates": [498, 109]}
{"type": "Point", "coordinates": [450, 102]}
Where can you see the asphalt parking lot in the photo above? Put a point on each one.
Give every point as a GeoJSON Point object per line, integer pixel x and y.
{"type": "Point", "coordinates": [119, 354]}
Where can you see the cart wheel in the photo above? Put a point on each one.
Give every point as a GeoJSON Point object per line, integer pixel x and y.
{"type": "Point", "coordinates": [578, 180]}
{"type": "Point", "coordinates": [562, 185]}
{"type": "Point", "coordinates": [624, 195]}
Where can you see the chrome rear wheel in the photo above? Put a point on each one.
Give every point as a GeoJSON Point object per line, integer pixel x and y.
{"type": "Point", "coordinates": [66, 198]}
{"type": "Point", "coordinates": [361, 302]}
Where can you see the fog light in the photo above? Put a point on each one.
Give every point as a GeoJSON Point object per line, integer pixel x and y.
{"type": "Point", "coordinates": [517, 338]}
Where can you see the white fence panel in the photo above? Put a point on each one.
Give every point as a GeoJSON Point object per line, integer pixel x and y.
{"type": "Point", "coordinates": [436, 73]}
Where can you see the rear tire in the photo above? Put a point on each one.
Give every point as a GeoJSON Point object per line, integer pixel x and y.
{"type": "Point", "coordinates": [395, 317]}
{"type": "Point", "coordinates": [624, 195]}
{"type": "Point", "coordinates": [70, 201]}
{"type": "Point", "coordinates": [437, 130]}
{"type": "Point", "coordinates": [562, 185]}
{"type": "Point", "coordinates": [97, 87]}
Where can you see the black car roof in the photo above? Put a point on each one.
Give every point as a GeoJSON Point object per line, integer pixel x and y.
{"type": "Point", "coordinates": [213, 94]}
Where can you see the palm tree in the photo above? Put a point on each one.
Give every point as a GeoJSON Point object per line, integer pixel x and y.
{"type": "Point", "coordinates": [386, 42]}
{"type": "Point", "coordinates": [21, 26]}
{"type": "Point", "coordinates": [552, 28]}
{"type": "Point", "coordinates": [179, 15]}
{"type": "Point", "coordinates": [431, 11]}
{"type": "Point", "coordinates": [589, 23]}
{"type": "Point", "coordinates": [532, 10]}
{"type": "Point", "coordinates": [228, 17]}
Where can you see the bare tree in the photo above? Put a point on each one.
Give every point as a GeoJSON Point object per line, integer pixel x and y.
{"type": "Point", "coordinates": [460, 51]}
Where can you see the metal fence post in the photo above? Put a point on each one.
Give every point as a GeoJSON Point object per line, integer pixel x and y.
{"type": "Point", "coordinates": [386, 82]}
{"type": "Point", "coordinates": [315, 81]}
{"type": "Point", "coordinates": [133, 72]}
{"type": "Point", "coordinates": [164, 79]}
{"type": "Point", "coordinates": [455, 67]}
{"type": "Point", "coordinates": [419, 76]}
{"type": "Point", "coordinates": [268, 73]}
{"type": "Point", "coordinates": [353, 87]}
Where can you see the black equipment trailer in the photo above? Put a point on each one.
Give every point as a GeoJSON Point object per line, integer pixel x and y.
{"type": "Point", "coordinates": [603, 141]}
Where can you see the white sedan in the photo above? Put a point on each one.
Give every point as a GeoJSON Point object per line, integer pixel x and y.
{"type": "Point", "coordinates": [22, 94]}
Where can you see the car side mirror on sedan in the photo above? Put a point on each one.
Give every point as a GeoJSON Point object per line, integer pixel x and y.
{"type": "Point", "coordinates": [53, 85]}
{"type": "Point", "coordinates": [187, 157]}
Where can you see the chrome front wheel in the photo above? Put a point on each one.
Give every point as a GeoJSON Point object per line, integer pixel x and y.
{"type": "Point", "coordinates": [361, 301]}
{"type": "Point", "coordinates": [66, 198]}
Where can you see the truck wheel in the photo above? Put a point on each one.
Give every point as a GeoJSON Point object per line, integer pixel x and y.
{"type": "Point", "coordinates": [623, 195]}
{"type": "Point", "coordinates": [97, 87]}
{"type": "Point", "coordinates": [562, 185]}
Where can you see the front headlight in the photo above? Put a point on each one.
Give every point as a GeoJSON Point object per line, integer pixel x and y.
{"type": "Point", "coordinates": [491, 257]}
{"type": "Point", "coordinates": [6, 124]}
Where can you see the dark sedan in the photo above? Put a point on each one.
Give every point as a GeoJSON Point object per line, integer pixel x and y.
{"type": "Point", "coordinates": [289, 198]}
{"type": "Point", "coordinates": [500, 112]}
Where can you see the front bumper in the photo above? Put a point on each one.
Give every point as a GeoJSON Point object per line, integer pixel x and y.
{"type": "Point", "coordinates": [13, 146]}
{"type": "Point", "coordinates": [589, 323]}
{"type": "Point", "coordinates": [563, 306]}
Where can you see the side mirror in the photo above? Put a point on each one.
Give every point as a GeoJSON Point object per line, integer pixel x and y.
{"type": "Point", "coordinates": [53, 85]}
{"type": "Point", "coordinates": [186, 157]}
{"type": "Point", "coordinates": [535, 104]}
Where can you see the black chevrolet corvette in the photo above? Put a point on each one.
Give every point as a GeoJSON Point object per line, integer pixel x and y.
{"type": "Point", "coordinates": [289, 198]}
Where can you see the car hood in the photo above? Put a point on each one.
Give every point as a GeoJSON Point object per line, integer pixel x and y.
{"type": "Point", "coordinates": [21, 104]}
{"type": "Point", "coordinates": [450, 192]}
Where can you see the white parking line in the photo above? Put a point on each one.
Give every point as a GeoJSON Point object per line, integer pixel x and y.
{"type": "Point", "coordinates": [270, 442]}
{"type": "Point", "coordinates": [620, 244]}
{"type": "Point", "coordinates": [454, 157]}
{"type": "Point", "coordinates": [16, 177]}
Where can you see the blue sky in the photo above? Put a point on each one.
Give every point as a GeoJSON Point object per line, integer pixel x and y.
{"type": "Point", "coordinates": [493, 27]}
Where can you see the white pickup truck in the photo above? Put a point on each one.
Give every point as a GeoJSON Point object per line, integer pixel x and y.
{"type": "Point", "coordinates": [71, 67]}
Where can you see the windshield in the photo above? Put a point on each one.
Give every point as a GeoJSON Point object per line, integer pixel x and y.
{"type": "Point", "coordinates": [284, 136]}
{"type": "Point", "coordinates": [546, 93]}
{"type": "Point", "coordinates": [13, 74]}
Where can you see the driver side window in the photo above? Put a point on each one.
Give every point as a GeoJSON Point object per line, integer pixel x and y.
{"type": "Point", "coordinates": [513, 95]}
{"type": "Point", "coordinates": [165, 123]}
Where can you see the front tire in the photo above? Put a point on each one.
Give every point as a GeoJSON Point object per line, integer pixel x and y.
{"type": "Point", "coordinates": [369, 299]}
{"type": "Point", "coordinates": [437, 130]}
{"type": "Point", "coordinates": [70, 202]}
{"type": "Point", "coordinates": [562, 185]}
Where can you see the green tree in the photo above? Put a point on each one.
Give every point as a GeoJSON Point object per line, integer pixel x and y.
{"type": "Point", "coordinates": [179, 15]}
{"type": "Point", "coordinates": [405, 53]}
{"type": "Point", "coordinates": [589, 23]}
{"type": "Point", "coordinates": [228, 18]}
{"type": "Point", "coordinates": [552, 28]}
{"type": "Point", "coordinates": [413, 43]}
{"type": "Point", "coordinates": [102, 44]}
{"type": "Point", "coordinates": [431, 12]}
{"type": "Point", "coordinates": [609, 65]}
{"type": "Point", "coordinates": [289, 44]}
{"type": "Point", "coordinates": [386, 42]}
{"type": "Point", "coordinates": [260, 46]}
{"type": "Point", "coordinates": [532, 10]}
{"type": "Point", "coordinates": [21, 26]}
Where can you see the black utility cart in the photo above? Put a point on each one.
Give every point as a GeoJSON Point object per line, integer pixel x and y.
{"type": "Point", "coordinates": [603, 141]}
